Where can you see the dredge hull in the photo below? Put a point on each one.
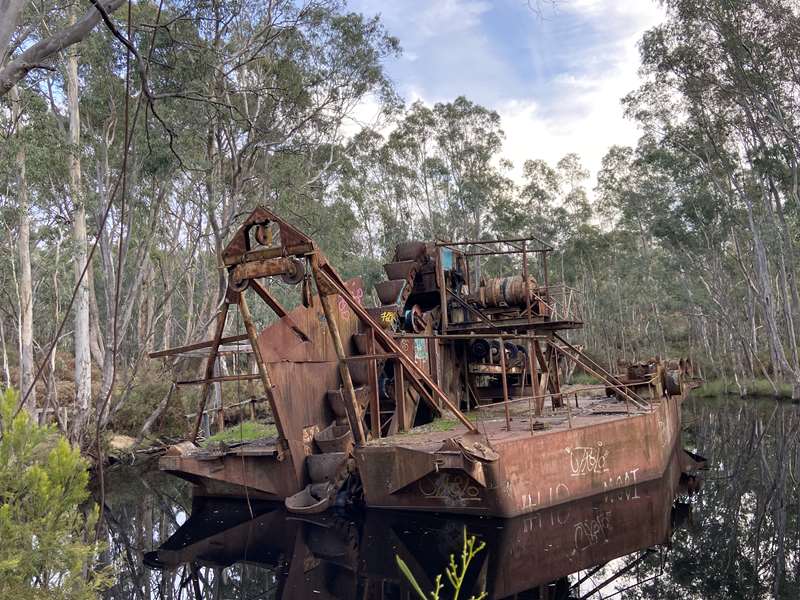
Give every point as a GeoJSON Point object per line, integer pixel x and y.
{"type": "Point", "coordinates": [532, 470]}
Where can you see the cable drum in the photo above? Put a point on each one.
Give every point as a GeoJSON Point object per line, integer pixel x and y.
{"type": "Point", "coordinates": [479, 349]}
{"type": "Point", "coordinates": [507, 291]}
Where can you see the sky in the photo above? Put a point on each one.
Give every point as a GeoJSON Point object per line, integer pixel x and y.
{"type": "Point", "coordinates": [556, 76]}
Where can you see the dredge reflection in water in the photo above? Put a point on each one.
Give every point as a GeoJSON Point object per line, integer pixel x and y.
{"type": "Point", "coordinates": [568, 551]}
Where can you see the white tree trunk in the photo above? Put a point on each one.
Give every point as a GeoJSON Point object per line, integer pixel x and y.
{"type": "Point", "coordinates": [83, 364]}
{"type": "Point", "coordinates": [27, 366]}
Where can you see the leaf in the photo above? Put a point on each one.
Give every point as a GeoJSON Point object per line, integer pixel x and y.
{"type": "Point", "coordinates": [409, 576]}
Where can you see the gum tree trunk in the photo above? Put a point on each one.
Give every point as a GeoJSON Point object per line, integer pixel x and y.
{"type": "Point", "coordinates": [83, 364]}
{"type": "Point", "coordinates": [27, 366]}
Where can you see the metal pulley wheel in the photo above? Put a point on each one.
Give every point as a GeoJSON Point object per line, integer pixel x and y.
{"type": "Point", "coordinates": [296, 273]}
{"type": "Point", "coordinates": [306, 293]}
{"type": "Point", "coordinates": [263, 234]}
{"type": "Point", "coordinates": [414, 321]}
{"type": "Point", "coordinates": [238, 286]}
{"type": "Point", "coordinates": [479, 349]}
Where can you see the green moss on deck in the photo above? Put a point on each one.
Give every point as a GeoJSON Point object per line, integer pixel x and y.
{"type": "Point", "coordinates": [440, 424]}
{"type": "Point", "coordinates": [243, 432]}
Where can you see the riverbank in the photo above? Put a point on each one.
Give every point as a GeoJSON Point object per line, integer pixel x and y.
{"type": "Point", "coordinates": [756, 388]}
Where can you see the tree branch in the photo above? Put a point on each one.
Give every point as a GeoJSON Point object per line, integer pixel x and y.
{"type": "Point", "coordinates": [33, 57]}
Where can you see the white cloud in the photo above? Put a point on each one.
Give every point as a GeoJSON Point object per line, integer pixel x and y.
{"type": "Point", "coordinates": [444, 17]}
{"type": "Point", "coordinates": [556, 81]}
{"type": "Point", "coordinates": [584, 112]}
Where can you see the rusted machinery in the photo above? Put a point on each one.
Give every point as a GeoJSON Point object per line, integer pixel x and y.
{"type": "Point", "coordinates": [655, 378]}
{"type": "Point", "coordinates": [454, 328]}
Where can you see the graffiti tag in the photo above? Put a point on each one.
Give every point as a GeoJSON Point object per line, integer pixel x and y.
{"type": "Point", "coordinates": [585, 460]}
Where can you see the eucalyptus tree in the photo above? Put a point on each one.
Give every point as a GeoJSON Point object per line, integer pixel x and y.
{"type": "Point", "coordinates": [165, 140]}
{"type": "Point", "coordinates": [261, 93]}
{"type": "Point", "coordinates": [446, 160]}
{"type": "Point", "coordinates": [439, 174]}
{"type": "Point", "coordinates": [722, 88]}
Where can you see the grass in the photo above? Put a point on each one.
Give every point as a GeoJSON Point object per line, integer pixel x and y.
{"type": "Point", "coordinates": [446, 424]}
{"type": "Point", "coordinates": [243, 432]}
{"type": "Point", "coordinates": [441, 424]}
{"type": "Point", "coordinates": [583, 378]}
{"type": "Point", "coordinates": [755, 388]}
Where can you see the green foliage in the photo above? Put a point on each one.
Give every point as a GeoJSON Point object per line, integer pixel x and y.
{"type": "Point", "coordinates": [44, 516]}
{"type": "Point", "coordinates": [145, 392]}
{"type": "Point", "coordinates": [454, 571]}
{"type": "Point", "coordinates": [583, 378]}
{"type": "Point", "coordinates": [756, 388]}
{"type": "Point", "coordinates": [243, 432]}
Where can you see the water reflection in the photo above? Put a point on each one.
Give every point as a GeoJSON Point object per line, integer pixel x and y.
{"type": "Point", "coordinates": [738, 538]}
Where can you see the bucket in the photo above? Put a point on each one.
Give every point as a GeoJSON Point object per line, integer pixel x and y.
{"type": "Point", "coordinates": [334, 438]}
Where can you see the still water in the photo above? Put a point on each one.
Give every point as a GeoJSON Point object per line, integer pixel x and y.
{"type": "Point", "coordinates": [733, 531]}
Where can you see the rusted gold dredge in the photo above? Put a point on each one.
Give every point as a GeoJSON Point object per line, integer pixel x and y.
{"type": "Point", "coordinates": [444, 397]}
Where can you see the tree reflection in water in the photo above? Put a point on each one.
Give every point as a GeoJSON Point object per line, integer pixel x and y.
{"type": "Point", "coordinates": [739, 537]}
{"type": "Point", "coordinates": [745, 537]}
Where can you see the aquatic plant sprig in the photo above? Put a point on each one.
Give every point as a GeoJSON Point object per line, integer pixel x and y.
{"type": "Point", "coordinates": [468, 552]}
{"type": "Point", "coordinates": [455, 572]}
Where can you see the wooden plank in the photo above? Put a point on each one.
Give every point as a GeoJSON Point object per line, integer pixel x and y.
{"type": "Point", "coordinates": [253, 269]}
{"type": "Point", "coordinates": [250, 401]}
{"type": "Point", "coordinates": [218, 379]}
{"type": "Point", "coordinates": [399, 396]}
{"type": "Point", "coordinates": [265, 253]}
{"type": "Point", "coordinates": [349, 395]}
{"type": "Point", "coordinates": [197, 346]}
{"type": "Point", "coordinates": [504, 380]}
{"type": "Point", "coordinates": [374, 398]}
{"type": "Point", "coordinates": [359, 357]}
{"type": "Point", "coordinates": [269, 388]}
{"type": "Point", "coordinates": [534, 375]}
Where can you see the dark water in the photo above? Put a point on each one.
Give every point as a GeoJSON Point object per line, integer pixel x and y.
{"type": "Point", "coordinates": [731, 532]}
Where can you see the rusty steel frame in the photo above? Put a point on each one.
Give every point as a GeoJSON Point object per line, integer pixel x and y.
{"type": "Point", "coordinates": [545, 246]}
{"type": "Point", "coordinates": [218, 379]}
{"type": "Point", "coordinates": [267, 253]}
{"type": "Point", "coordinates": [269, 388]}
{"type": "Point", "coordinates": [504, 380]}
{"type": "Point", "coordinates": [328, 281]}
{"type": "Point", "coordinates": [469, 336]}
{"type": "Point", "coordinates": [420, 379]}
{"type": "Point", "coordinates": [597, 370]}
{"type": "Point", "coordinates": [278, 309]}
{"type": "Point", "coordinates": [350, 402]}
{"type": "Point", "coordinates": [522, 249]}
{"type": "Point", "coordinates": [517, 399]}
{"type": "Point", "coordinates": [197, 346]}
{"type": "Point", "coordinates": [270, 261]}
